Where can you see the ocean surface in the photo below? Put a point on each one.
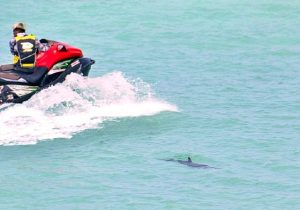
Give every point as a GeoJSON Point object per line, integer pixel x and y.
{"type": "Point", "coordinates": [217, 81]}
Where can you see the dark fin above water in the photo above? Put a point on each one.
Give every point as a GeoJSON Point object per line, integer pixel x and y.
{"type": "Point", "coordinates": [190, 163]}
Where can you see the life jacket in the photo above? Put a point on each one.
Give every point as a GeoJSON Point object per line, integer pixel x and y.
{"type": "Point", "coordinates": [26, 49]}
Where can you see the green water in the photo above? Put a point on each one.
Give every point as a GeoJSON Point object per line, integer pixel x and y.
{"type": "Point", "coordinates": [216, 81]}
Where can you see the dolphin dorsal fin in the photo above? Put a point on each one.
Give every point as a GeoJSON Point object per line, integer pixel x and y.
{"type": "Point", "coordinates": [189, 160]}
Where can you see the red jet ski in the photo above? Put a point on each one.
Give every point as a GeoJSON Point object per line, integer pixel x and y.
{"type": "Point", "coordinates": [51, 67]}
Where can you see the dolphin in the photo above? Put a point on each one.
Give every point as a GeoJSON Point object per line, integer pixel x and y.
{"type": "Point", "coordinates": [190, 163]}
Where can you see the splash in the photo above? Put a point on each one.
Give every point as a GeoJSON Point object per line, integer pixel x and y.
{"type": "Point", "coordinates": [76, 105]}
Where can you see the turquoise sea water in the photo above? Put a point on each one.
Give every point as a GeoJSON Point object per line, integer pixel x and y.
{"type": "Point", "coordinates": [214, 80]}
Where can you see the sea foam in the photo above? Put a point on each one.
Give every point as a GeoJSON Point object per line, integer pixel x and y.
{"type": "Point", "coordinates": [76, 105]}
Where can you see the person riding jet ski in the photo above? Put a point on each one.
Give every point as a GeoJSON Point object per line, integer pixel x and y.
{"type": "Point", "coordinates": [38, 65]}
{"type": "Point", "coordinates": [24, 48]}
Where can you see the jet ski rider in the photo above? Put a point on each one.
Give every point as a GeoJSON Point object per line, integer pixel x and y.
{"type": "Point", "coordinates": [24, 48]}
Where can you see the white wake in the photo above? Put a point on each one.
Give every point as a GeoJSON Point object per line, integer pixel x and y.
{"type": "Point", "coordinates": [76, 105]}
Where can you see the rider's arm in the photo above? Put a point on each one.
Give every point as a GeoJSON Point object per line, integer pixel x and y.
{"type": "Point", "coordinates": [41, 47]}
{"type": "Point", "coordinates": [12, 44]}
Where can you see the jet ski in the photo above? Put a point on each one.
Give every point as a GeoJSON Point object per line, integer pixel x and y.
{"type": "Point", "coordinates": [51, 67]}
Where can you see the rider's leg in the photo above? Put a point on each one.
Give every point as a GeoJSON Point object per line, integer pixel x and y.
{"type": "Point", "coordinates": [6, 67]}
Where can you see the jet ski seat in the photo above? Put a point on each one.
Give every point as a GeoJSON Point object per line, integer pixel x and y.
{"type": "Point", "coordinates": [23, 76]}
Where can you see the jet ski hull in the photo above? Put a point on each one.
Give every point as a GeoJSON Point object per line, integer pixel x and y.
{"type": "Point", "coordinates": [19, 91]}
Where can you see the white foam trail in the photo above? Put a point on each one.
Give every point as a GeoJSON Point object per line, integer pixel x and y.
{"type": "Point", "coordinates": [77, 104]}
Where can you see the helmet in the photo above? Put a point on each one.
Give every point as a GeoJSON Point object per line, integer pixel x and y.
{"type": "Point", "coordinates": [19, 26]}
